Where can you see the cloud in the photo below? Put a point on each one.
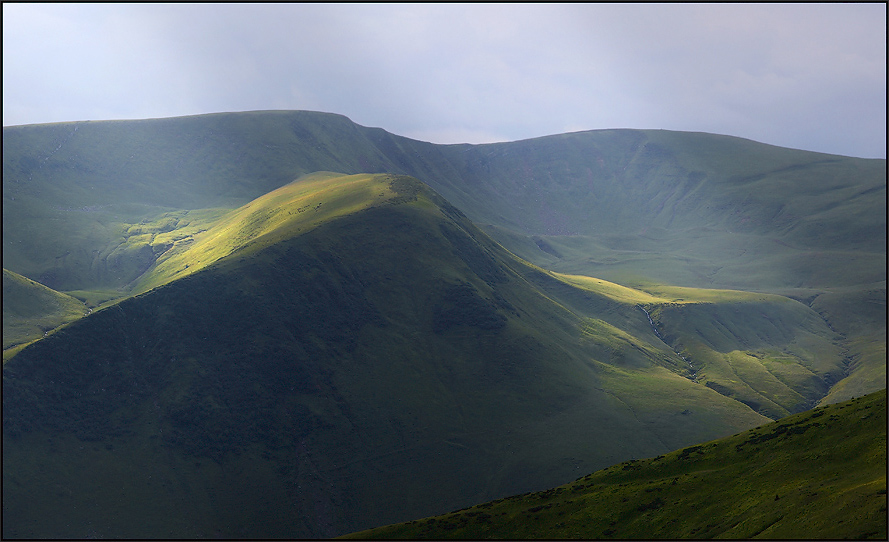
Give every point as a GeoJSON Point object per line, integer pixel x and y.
{"type": "Point", "coordinates": [801, 75]}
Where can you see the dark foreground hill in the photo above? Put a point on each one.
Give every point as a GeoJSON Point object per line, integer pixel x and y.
{"type": "Point", "coordinates": [816, 475]}
{"type": "Point", "coordinates": [312, 383]}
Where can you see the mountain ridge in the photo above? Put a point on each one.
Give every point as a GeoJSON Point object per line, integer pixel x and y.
{"type": "Point", "coordinates": [394, 335]}
{"type": "Point", "coordinates": [445, 332]}
{"type": "Point", "coordinates": [493, 183]}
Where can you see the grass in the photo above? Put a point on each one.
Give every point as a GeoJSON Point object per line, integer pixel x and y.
{"type": "Point", "coordinates": [31, 310]}
{"type": "Point", "coordinates": [772, 353]}
{"type": "Point", "coordinates": [819, 474]}
{"type": "Point", "coordinates": [91, 206]}
{"type": "Point", "coordinates": [676, 207]}
{"type": "Point", "coordinates": [324, 358]}
{"type": "Point", "coordinates": [282, 213]}
{"type": "Point", "coordinates": [360, 337]}
{"type": "Point", "coordinates": [72, 190]}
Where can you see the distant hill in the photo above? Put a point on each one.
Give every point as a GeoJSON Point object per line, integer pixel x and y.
{"type": "Point", "coordinates": [690, 209]}
{"type": "Point", "coordinates": [816, 475]}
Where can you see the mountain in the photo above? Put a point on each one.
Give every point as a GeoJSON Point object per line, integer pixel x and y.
{"type": "Point", "coordinates": [702, 208]}
{"type": "Point", "coordinates": [292, 335]}
{"type": "Point", "coordinates": [325, 379]}
{"type": "Point", "coordinates": [815, 475]}
{"type": "Point", "coordinates": [88, 207]}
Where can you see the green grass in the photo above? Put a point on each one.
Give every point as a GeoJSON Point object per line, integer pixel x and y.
{"type": "Point", "coordinates": [385, 351]}
{"type": "Point", "coordinates": [380, 344]}
{"type": "Point", "coordinates": [31, 310]}
{"type": "Point", "coordinates": [819, 474]}
{"type": "Point", "coordinates": [73, 190]}
{"type": "Point", "coordinates": [92, 206]}
{"type": "Point", "coordinates": [772, 353]}
{"type": "Point", "coordinates": [290, 210]}
{"type": "Point", "coordinates": [680, 208]}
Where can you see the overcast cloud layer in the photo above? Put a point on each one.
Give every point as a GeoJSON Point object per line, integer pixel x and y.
{"type": "Point", "coordinates": [809, 76]}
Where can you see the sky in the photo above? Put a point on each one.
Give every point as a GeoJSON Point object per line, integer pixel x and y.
{"type": "Point", "coordinates": [806, 76]}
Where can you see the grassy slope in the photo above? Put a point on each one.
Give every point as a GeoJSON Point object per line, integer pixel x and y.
{"type": "Point", "coordinates": [72, 191]}
{"type": "Point", "coordinates": [88, 207]}
{"type": "Point", "coordinates": [820, 474]}
{"type": "Point", "coordinates": [643, 207]}
{"type": "Point", "coordinates": [30, 310]}
{"type": "Point", "coordinates": [685, 200]}
{"type": "Point", "coordinates": [681, 208]}
{"type": "Point", "coordinates": [282, 213]}
{"type": "Point", "coordinates": [95, 205]}
{"type": "Point", "coordinates": [774, 354]}
{"type": "Point", "coordinates": [344, 371]}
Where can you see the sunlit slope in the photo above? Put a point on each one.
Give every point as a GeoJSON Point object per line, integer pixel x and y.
{"type": "Point", "coordinates": [135, 257]}
{"type": "Point", "coordinates": [90, 206]}
{"type": "Point", "coordinates": [282, 213]}
{"type": "Point", "coordinates": [31, 309]}
{"type": "Point", "coordinates": [772, 353]}
{"type": "Point", "coordinates": [324, 382]}
{"type": "Point", "coordinates": [71, 191]}
{"type": "Point", "coordinates": [683, 208]}
{"type": "Point", "coordinates": [739, 342]}
{"type": "Point", "coordinates": [820, 474]}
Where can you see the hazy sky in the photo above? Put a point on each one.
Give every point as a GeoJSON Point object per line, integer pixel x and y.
{"type": "Point", "coordinates": [810, 76]}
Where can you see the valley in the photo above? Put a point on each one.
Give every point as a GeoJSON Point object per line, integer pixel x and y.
{"type": "Point", "coordinates": [283, 324]}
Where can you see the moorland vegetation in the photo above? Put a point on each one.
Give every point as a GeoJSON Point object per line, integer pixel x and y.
{"type": "Point", "coordinates": [283, 324]}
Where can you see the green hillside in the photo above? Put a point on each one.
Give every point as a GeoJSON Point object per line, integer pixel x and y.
{"type": "Point", "coordinates": [282, 213]}
{"type": "Point", "coordinates": [278, 350]}
{"type": "Point", "coordinates": [682, 208]}
{"type": "Point", "coordinates": [324, 382]}
{"type": "Point", "coordinates": [769, 352]}
{"type": "Point", "coordinates": [72, 191]}
{"type": "Point", "coordinates": [820, 474]}
{"type": "Point", "coordinates": [30, 310]}
{"type": "Point", "coordinates": [89, 207]}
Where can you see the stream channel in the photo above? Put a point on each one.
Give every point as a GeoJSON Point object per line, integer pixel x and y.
{"type": "Point", "coordinates": [694, 373]}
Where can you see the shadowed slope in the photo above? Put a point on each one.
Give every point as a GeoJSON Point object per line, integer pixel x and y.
{"type": "Point", "coordinates": [323, 383]}
{"type": "Point", "coordinates": [820, 474]}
